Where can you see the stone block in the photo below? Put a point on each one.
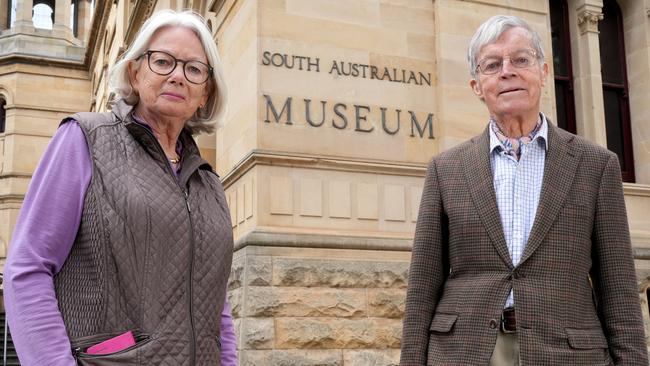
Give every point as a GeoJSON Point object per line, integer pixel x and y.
{"type": "Point", "coordinates": [371, 357]}
{"type": "Point", "coordinates": [311, 197]}
{"type": "Point", "coordinates": [257, 333]}
{"type": "Point", "coordinates": [337, 333]}
{"type": "Point", "coordinates": [281, 189]}
{"type": "Point", "coordinates": [259, 271]}
{"type": "Point", "coordinates": [236, 300]}
{"type": "Point", "coordinates": [305, 302]}
{"type": "Point", "coordinates": [367, 197]}
{"type": "Point", "coordinates": [416, 196]}
{"type": "Point", "coordinates": [386, 303]}
{"type": "Point", "coordinates": [361, 12]}
{"type": "Point", "coordinates": [291, 358]}
{"type": "Point", "coordinates": [339, 199]}
{"type": "Point", "coordinates": [236, 278]}
{"type": "Point", "coordinates": [394, 205]}
{"type": "Point", "coordinates": [401, 18]}
{"type": "Point", "coordinates": [301, 272]}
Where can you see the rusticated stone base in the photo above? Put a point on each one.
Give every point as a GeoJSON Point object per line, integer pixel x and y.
{"type": "Point", "coordinates": [326, 307]}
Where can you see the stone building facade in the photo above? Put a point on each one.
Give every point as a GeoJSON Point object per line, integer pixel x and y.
{"type": "Point", "coordinates": [335, 107]}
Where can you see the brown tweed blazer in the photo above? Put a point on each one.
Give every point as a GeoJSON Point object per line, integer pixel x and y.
{"type": "Point", "coordinates": [461, 271]}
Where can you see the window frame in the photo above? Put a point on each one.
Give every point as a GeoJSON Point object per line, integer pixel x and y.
{"type": "Point", "coordinates": [566, 81]}
{"type": "Point", "coordinates": [622, 91]}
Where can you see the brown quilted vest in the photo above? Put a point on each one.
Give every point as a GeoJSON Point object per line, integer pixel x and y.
{"type": "Point", "coordinates": [152, 253]}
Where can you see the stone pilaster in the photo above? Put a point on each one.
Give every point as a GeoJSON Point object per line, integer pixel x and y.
{"type": "Point", "coordinates": [588, 20]}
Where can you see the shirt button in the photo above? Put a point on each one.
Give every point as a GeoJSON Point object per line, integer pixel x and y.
{"type": "Point", "coordinates": [493, 324]}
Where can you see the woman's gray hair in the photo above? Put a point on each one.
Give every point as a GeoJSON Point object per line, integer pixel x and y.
{"type": "Point", "coordinates": [205, 118]}
{"type": "Point", "coordinates": [491, 30]}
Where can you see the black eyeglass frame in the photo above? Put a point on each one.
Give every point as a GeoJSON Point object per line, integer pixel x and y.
{"type": "Point", "coordinates": [176, 60]}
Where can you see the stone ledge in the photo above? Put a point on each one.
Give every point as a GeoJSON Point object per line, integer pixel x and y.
{"type": "Point", "coordinates": [636, 189]}
{"type": "Point", "coordinates": [265, 238]}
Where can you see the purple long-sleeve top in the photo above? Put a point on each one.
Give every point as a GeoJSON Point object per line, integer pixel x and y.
{"type": "Point", "coordinates": [45, 231]}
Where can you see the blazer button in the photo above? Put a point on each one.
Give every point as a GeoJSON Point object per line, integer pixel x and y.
{"type": "Point", "coordinates": [493, 324]}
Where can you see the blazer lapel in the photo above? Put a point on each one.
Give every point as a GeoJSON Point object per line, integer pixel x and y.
{"type": "Point", "coordinates": [560, 169]}
{"type": "Point", "coordinates": [478, 173]}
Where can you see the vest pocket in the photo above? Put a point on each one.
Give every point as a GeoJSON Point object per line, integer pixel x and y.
{"type": "Point", "coordinates": [127, 356]}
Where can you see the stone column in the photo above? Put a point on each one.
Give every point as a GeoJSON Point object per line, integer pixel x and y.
{"type": "Point", "coordinates": [584, 16]}
{"type": "Point", "coordinates": [83, 19]}
{"type": "Point", "coordinates": [23, 21]}
{"type": "Point", "coordinates": [61, 27]}
{"type": "Point", "coordinates": [4, 15]}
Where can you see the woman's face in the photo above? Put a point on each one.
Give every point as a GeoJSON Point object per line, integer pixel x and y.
{"type": "Point", "coordinates": [169, 96]}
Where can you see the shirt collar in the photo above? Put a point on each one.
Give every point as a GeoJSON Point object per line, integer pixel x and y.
{"type": "Point", "coordinates": [542, 134]}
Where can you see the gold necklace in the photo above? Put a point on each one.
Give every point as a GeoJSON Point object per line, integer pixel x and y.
{"type": "Point", "coordinates": [175, 160]}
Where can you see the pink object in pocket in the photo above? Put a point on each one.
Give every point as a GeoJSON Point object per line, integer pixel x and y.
{"type": "Point", "coordinates": [115, 344]}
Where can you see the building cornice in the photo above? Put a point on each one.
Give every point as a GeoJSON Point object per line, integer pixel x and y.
{"type": "Point", "coordinates": [142, 10]}
{"type": "Point", "coordinates": [100, 19]}
{"type": "Point", "coordinates": [40, 61]}
{"type": "Point", "coordinates": [276, 158]}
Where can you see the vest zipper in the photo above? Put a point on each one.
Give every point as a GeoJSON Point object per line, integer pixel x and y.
{"type": "Point", "coordinates": [191, 264]}
{"type": "Point", "coordinates": [189, 284]}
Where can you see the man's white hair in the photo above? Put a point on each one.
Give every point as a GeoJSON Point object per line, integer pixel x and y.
{"type": "Point", "coordinates": [491, 30]}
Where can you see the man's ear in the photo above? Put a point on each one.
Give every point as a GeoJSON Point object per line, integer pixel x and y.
{"type": "Point", "coordinates": [544, 74]}
{"type": "Point", "coordinates": [476, 88]}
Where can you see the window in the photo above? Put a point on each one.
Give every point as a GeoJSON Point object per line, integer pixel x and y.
{"type": "Point", "coordinates": [11, 10]}
{"type": "Point", "coordinates": [3, 114]}
{"type": "Point", "coordinates": [43, 16]}
{"type": "Point", "coordinates": [564, 101]}
{"type": "Point", "coordinates": [615, 89]}
{"type": "Point", "coordinates": [74, 17]}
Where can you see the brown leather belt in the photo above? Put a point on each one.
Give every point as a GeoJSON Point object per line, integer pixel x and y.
{"type": "Point", "coordinates": [508, 321]}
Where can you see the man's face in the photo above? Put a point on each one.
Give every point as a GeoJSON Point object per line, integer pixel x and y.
{"type": "Point", "coordinates": [511, 92]}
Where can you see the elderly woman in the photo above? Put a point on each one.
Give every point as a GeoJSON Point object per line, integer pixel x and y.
{"type": "Point", "coordinates": [123, 247]}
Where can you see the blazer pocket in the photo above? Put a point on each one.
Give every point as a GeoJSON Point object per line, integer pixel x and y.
{"type": "Point", "coordinates": [442, 323]}
{"type": "Point", "coordinates": [592, 338]}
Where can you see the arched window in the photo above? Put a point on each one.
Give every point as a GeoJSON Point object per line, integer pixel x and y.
{"type": "Point", "coordinates": [43, 16]}
{"type": "Point", "coordinates": [563, 75]}
{"type": "Point", "coordinates": [3, 114]}
{"type": "Point", "coordinates": [615, 88]}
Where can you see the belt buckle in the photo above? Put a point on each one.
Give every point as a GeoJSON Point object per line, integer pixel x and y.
{"type": "Point", "coordinates": [503, 322]}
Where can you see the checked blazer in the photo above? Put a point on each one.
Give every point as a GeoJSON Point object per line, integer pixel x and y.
{"type": "Point", "coordinates": [576, 299]}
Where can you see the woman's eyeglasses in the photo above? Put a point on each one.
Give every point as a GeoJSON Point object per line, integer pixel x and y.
{"type": "Point", "coordinates": [162, 63]}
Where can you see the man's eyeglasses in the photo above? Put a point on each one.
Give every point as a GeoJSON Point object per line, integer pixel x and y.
{"type": "Point", "coordinates": [162, 63]}
{"type": "Point", "coordinates": [520, 59]}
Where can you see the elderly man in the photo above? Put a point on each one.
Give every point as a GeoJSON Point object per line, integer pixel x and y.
{"type": "Point", "coordinates": [522, 252]}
